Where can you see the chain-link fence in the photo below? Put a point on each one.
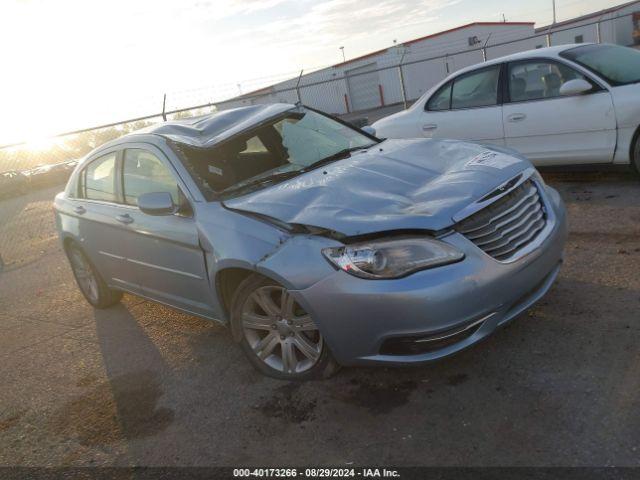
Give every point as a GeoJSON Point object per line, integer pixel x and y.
{"type": "Point", "coordinates": [359, 91]}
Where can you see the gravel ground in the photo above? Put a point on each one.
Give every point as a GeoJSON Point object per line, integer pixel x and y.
{"type": "Point", "coordinates": [141, 384]}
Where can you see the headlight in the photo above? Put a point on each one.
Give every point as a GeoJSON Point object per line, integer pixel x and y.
{"type": "Point", "coordinates": [392, 258]}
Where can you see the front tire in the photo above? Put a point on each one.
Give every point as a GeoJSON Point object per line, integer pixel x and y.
{"type": "Point", "coordinates": [91, 284]}
{"type": "Point", "coordinates": [635, 155]}
{"type": "Point", "coordinates": [278, 337]}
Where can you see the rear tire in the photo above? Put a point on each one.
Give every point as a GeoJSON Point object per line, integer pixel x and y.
{"type": "Point", "coordinates": [278, 337]}
{"type": "Point", "coordinates": [93, 287]}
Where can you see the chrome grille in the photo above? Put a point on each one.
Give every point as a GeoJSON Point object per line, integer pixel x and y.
{"type": "Point", "coordinates": [507, 225]}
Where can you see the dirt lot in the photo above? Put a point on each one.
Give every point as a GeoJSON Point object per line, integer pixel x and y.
{"type": "Point", "coordinates": [141, 384]}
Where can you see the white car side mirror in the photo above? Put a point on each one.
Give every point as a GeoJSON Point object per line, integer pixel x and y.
{"type": "Point", "coordinates": [577, 86]}
{"type": "Point", "coordinates": [369, 129]}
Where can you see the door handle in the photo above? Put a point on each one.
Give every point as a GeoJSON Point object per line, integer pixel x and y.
{"type": "Point", "coordinates": [80, 210]}
{"type": "Point", "coordinates": [124, 218]}
{"type": "Point", "coordinates": [429, 127]}
{"type": "Point", "coordinates": [517, 117]}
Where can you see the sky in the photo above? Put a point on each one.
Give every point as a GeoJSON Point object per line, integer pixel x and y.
{"type": "Point", "coordinates": [70, 64]}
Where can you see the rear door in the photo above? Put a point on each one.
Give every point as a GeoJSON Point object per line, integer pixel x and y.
{"type": "Point", "coordinates": [103, 225]}
{"type": "Point", "coordinates": [164, 250]}
{"type": "Point", "coordinates": [467, 108]}
{"type": "Point", "coordinates": [549, 128]}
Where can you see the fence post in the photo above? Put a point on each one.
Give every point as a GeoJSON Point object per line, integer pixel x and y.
{"type": "Point", "coordinates": [401, 76]}
{"type": "Point", "coordinates": [164, 104]}
{"type": "Point", "coordinates": [298, 86]}
{"type": "Point", "coordinates": [598, 37]}
{"type": "Point", "coordinates": [548, 36]}
{"type": "Point", "coordinates": [381, 95]}
{"type": "Point", "coordinates": [484, 48]}
{"type": "Point", "coordinates": [346, 102]}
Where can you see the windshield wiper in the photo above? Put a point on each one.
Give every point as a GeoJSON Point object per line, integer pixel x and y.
{"type": "Point", "coordinates": [340, 154]}
{"type": "Point", "coordinates": [276, 177]}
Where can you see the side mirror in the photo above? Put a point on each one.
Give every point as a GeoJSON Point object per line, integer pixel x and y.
{"type": "Point", "coordinates": [577, 86]}
{"type": "Point", "coordinates": [157, 203]}
{"type": "Point", "coordinates": [369, 129]}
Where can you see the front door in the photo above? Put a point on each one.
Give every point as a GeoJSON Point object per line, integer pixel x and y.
{"type": "Point", "coordinates": [164, 250]}
{"type": "Point", "coordinates": [549, 128]}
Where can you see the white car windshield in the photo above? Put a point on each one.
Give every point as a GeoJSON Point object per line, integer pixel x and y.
{"type": "Point", "coordinates": [617, 65]}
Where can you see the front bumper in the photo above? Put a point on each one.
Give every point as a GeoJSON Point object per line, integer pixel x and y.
{"type": "Point", "coordinates": [357, 316]}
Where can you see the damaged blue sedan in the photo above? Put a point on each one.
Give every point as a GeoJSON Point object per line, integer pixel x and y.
{"type": "Point", "coordinates": [318, 244]}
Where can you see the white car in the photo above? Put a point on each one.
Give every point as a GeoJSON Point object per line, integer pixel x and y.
{"type": "Point", "coordinates": [572, 104]}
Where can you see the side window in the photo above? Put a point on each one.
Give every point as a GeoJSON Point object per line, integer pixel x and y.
{"type": "Point", "coordinates": [143, 172]}
{"type": "Point", "coordinates": [441, 100]}
{"type": "Point", "coordinates": [538, 79]}
{"type": "Point", "coordinates": [478, 89]}
{"type": "Point", "coordinates": [97, 182]}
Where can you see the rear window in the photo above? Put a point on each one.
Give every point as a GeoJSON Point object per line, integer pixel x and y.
{"type": "Point", "coordinates": [617, 65]}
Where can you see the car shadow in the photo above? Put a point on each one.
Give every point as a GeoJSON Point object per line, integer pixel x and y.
{"type": "Point", "coordinates": [126, 404]}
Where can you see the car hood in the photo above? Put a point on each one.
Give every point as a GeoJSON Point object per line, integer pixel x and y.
{"type": "Point", "coordinates": [396, 185]}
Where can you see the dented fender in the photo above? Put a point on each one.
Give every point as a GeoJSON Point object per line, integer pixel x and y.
{"type": "Point", "coordinates": [298, 263]}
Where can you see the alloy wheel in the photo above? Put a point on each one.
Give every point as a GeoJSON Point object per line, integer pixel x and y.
{"type": "Point", "coordinates": [84, 274]}
{"type": "Point", "coordinates": [280, 333]}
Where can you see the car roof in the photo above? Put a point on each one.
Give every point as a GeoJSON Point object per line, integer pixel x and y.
{"type": "Point", "coordinates": [207, 130]}
{"type": "Point", "coordinates": [547, 52]}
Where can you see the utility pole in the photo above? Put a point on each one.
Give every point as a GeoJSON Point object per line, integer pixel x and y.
{"type": "Point", "coordinates": [554, 11]}
{"type": "Point", "coordinates": [344, 59]}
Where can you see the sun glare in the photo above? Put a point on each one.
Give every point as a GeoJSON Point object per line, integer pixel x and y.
{"type": "Point", "coordinates": [39, 144]}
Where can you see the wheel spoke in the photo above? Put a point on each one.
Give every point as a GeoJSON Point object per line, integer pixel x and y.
{"type": "Point", "coordinates": [255, 321]}
{"type": "Point", "coordinates": [264, 300]}
{"type": "Point", "coordinates": [84, 273]}
{"type": "Point", "coordinates": [271, 318]}
{"type": "Point", "coordinates": [305, 346]}
{"type": "Point", "coordinates": [289, 360]}
{"type": "Point", "coordinates": [304, 324]}
{"type": "Point", "coordinates": [265, 347]}
{"type": "Point", "coordinates": [286, 304]}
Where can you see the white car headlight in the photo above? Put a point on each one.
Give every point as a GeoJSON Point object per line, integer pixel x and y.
{"type": "Point", "coordinates": [379, 259]}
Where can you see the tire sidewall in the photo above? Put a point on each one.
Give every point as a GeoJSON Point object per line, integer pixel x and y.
{"type": "Point", "coordinates": [635, 154]}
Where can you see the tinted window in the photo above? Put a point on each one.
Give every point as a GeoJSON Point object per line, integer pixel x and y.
{"type": "Point", "coordinates": [143, 172]}
{"type": "Point", "coordinates": [441, 100]}
{"type": "Point", "coordinates": [478, 89]}
{"type": "Point", "coordinates": [538, 79]}
{"type": "Point", "coordinates": [98, 179]}
{"type": "Point", "coordinates": [617, 65]}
